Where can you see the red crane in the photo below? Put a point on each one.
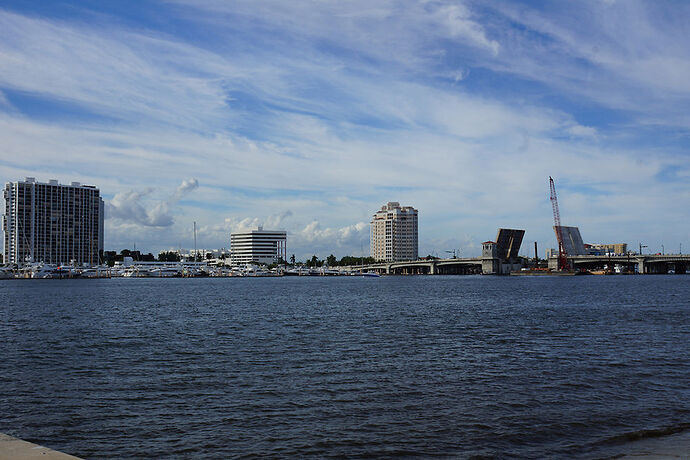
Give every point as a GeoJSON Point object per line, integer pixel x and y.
{"type": "Point", "coordinates": [562, 255]}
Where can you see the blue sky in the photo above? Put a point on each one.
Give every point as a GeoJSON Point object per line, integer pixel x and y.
{"type": "Point", "coordinates": [310, 115]}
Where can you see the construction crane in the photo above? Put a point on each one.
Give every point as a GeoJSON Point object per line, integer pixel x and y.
{"type": "Point", "coordinates": [562, 255]}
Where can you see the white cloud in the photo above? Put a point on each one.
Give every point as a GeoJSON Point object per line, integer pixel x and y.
{"type": "Point", "coordinates": [111, 72]}
{"type": "Point", "coordinates": [131, 206]}
{"type": "Point", "coordinates": [457, 19]}
{"type": "Point", "coordinates": [630, 56]}
{"type": "Point", "coordinates": [582, 131]}
{"type": "Point", "coordinates": [184, 188]}
{"type": "Point", "coordinates": [4, 102]}
{"type": "Point", "coordinates": [330, 109]}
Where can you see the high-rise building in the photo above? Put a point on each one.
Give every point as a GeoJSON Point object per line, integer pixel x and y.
{"type": "Point", "coordinates": [394, 234]}
{"type": "Point", "coordinates": [52, 223]}
{"type": "Point", "coordinates": [262, 246]}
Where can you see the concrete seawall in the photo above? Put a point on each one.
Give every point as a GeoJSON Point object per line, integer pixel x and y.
{"type": "Point", "coordinates": [16, 449]}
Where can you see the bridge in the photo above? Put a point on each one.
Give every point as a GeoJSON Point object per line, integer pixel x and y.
{"type": "Point", "coordinates": [645, 263]}
{"type": "Point", "coordinates": [457, 266]}
{"type": "Point", "coordinates": [461, 266]}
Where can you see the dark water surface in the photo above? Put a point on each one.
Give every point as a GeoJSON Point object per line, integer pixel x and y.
{"type": "Point", "coordinates": [507, 367]}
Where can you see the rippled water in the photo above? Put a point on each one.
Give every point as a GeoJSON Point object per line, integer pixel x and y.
{"type": "Point", "coordinates": [456, 366]}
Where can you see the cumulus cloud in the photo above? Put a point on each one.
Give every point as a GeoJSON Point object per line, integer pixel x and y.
{"type": "Point", "coordinates": [220, 232]}
{"type": "Point", "coordinates": [184, 188]}
{"type": "Point", "coordinates": [303, 239]}
{"type": "Point", "coordinates": [234, 224]}
{"type": "Point", "coordinates": [314, 237]}
{"type": "Point", "coordinates": [132, 206]}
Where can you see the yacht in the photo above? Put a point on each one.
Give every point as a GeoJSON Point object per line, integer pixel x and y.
{"type": "Point", "coordinates": [6, 273]}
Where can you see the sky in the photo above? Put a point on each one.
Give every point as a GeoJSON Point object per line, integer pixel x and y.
{"type": "Point", "coordinates": [310, 115]}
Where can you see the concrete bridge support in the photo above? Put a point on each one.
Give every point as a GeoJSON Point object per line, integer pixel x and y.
{"type": "Point", "coordinates": [490, 266]}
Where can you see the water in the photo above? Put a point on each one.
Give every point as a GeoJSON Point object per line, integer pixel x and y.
{"type": "Point", "coordinates": [463, 366]}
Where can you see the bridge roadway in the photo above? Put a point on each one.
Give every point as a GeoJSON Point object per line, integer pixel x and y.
{"type": "Point", "coordinates": [646, 263]}
{"type": "Point", "coordinates": [459, 266]}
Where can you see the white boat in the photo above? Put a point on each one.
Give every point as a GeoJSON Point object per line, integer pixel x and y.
{"type": "Point", "coordinates": [165, 272]}
{"type": "Point", "coordinates": [42, 271]}
{"type": "Point", "coordinates": [6, 273]}
{"type": "Point", "coordinates": [365, 274]}
{"type": "Point", "coordinates": [90, 273]}
{"type": "Point", "coordinates": [136, 272]}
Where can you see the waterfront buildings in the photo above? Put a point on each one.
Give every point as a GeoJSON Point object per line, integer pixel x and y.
{"type": "Point", "coordinates": [262, 246]}
{"type": "Point", "coordinates": [52, 223]}
{"type": "Point", "coordinates": [605, 249]}
{"type": "Point", "coordinates": [394, 233]}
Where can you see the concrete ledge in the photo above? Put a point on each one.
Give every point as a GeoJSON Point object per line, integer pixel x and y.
{"type": "Point", "coordinates": [671, 447]}
{"type": "Point", "coordinates": [16, 449]}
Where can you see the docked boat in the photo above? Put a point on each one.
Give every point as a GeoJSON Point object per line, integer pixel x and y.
{"type": "Point", "coordinates": [366, 274]}
{"type": "Point", "coordinates": [6, 273]}
{"type": "Point", "coordinates": [165, 272]}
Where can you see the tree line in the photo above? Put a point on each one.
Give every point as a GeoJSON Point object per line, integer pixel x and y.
{"type": "Point", "coordinates": [333, 261]}
{"type": "Point", "coordinates": [110, 257]}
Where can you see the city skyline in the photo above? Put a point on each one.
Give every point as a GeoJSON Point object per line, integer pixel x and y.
{"type": "Point", "coordinates": [306, 117]}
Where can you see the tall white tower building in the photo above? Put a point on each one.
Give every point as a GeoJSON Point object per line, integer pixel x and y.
{"type": "Point", "coordinates": [394, 234]}
{"type": "Point", "coordinates": [52, 223]}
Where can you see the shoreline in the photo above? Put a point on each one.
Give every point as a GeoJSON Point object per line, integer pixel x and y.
{"type": "Point", "coordinates": [672, 446]}
{"type": "Point", "coordinates": [12, 448]}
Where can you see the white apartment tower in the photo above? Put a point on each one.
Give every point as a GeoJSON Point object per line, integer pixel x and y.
{"type": "Point", "coordinates": [394, 233]}
{"type": "Point", "coordinates": [262, 246]}
{"type": "Point", "coordinates": [52, 223]}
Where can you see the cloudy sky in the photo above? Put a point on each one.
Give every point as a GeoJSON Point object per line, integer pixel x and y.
{"type": "Point", "coordinates": [309, 115]}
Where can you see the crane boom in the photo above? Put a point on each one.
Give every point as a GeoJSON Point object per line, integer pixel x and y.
{"type": "Point", "coordinates": [562, 255]}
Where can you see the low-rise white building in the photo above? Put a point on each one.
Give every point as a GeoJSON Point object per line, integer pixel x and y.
{"type": "Point", "coordinates": [259, 246]}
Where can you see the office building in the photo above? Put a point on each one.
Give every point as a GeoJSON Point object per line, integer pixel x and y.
{"type": "Point", "coordinates": [259, 246]}
{"type": "Point", "coordinates": [52, 223]}
{"type": "Point", "coordinates": [394, 233]}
